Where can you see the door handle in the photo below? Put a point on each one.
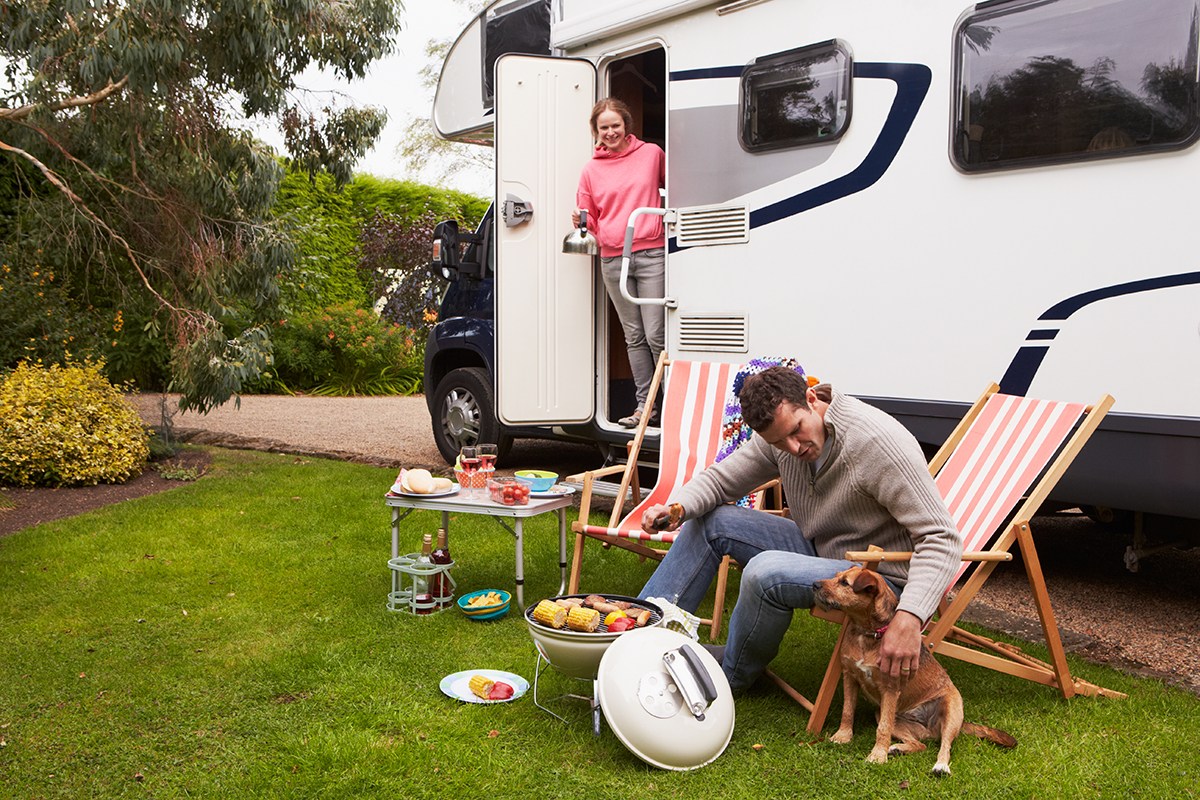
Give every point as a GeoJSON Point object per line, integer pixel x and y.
{"type": "Point", "coordinates": [668, 216]}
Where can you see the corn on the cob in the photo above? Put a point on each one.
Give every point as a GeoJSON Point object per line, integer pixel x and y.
{"type": "Point", "coordinates": [583, 619]}
{"type": "Point", "coordinates": [480, 685]}
{"type": "Point", "coordinates": [613, 616]}
{"type": "Point", "coordinates": [550, 613]}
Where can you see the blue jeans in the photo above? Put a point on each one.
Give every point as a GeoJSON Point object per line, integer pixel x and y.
{"type": "Point", "coordinates": [779, 568]}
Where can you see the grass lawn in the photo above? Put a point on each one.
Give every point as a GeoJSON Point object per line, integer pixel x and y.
{"type": "Point", "coordinates": [230, 639]}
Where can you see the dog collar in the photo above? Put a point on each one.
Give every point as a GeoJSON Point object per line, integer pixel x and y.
{"type": "Point", "coordinates": [879, 632]}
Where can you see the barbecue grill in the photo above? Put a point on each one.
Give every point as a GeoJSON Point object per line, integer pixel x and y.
{"type": "Point", "coordinates": [577, 654]}
{"type": "Point", "coordinates": [665, 698]}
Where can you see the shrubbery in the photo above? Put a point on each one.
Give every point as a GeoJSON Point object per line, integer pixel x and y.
{"type": "Point", "coordinates": [67, 426]}
{"type": "Point", "coordinates": [344, 350]}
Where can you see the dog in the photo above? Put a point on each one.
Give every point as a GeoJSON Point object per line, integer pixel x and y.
{"type": "Point", "coordinates": [925, 706]}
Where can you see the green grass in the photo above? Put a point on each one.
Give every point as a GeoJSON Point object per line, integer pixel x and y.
{"type": "Point", "coordinates": [229, 639]}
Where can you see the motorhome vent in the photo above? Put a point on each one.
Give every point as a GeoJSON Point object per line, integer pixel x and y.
{"type": "Point", "coordinates": [720, 333]}
{"type": "Point", "coordinates": [707, 225]}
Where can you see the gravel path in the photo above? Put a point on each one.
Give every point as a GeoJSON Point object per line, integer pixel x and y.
{"type": "Point", "coordinates": [1146, 622]}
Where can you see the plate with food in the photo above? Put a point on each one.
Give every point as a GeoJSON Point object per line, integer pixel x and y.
{"type": "Point", "coordinates": [557, 490]}
{"type": "Point", "coordinates": [400, 490]}
{"type": "Point", "coordinates": [420, 483]}
{"type": "Point", "coordinates": [484, 686]}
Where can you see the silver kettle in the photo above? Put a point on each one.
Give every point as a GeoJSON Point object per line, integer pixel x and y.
{"type": "Point", "coordinates": [579, 240]}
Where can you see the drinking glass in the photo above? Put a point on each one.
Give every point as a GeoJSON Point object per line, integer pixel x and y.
{"type": "Point", "coordinates": [487, 457]}
{"type": "Point", "coordinates": [468, 460]}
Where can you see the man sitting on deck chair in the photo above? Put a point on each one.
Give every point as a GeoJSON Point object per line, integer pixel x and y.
{"type": "Point", "coordinates": [853, 476]}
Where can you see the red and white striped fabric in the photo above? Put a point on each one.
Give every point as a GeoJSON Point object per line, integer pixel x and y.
{"type": "Point", "coordinates": [1003, 452]}
{"type": "Point", "coordinates": [692, 414]}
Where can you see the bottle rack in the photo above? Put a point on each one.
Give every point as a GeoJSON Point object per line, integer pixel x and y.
{"type": "Point", "coordinates": [406, 572]}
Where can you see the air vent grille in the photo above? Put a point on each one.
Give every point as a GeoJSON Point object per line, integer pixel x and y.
{"type": "Point", "coordinates": [709, 225]}
{"type": "Point", "coordinates": [720, 333]}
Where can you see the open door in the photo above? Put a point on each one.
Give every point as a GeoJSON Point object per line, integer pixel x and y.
{"type": "Point", "coordinates": [545, 347]}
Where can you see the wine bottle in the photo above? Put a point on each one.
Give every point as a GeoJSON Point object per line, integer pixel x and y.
{"type": "Point", "coordinates": [422, 599]}
{"type": "Point", "coordinates": [440, 584]}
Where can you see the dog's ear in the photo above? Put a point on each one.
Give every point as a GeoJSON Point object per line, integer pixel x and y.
{"type": "Point", "coordinates": [866, 581]}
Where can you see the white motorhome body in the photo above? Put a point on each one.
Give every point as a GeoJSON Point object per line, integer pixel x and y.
{"type": "Point", "coordinates": [912, 198]}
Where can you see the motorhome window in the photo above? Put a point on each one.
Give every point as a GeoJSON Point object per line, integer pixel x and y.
{"type": "Point", "coordinates": [1072, 80]}
{"type": "Point", "coordinates": [796, 98]}
{"type": "Point", "coordinates": [519, 27]}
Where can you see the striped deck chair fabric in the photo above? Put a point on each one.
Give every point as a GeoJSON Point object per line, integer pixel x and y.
{"type": "Point", "coordinates": [1001, 455]}
{"type": "Point", "coordinates": [692, 414]}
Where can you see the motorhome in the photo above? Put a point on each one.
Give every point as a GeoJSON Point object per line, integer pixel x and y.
{"type": "Point", "coordinates": [911, 198]}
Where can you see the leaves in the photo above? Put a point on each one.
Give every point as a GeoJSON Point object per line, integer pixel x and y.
{"type": "Point", "coordinates": [142, 185]}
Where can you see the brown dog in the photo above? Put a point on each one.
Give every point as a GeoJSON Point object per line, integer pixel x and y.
{"type": "Point", "coordinates": [926, 706]}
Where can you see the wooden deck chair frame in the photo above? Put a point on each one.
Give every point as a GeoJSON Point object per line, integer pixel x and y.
{"type": "Point", "coordinates": [943, 635]}
{"type": "Point", "coordinates": [630, 489]}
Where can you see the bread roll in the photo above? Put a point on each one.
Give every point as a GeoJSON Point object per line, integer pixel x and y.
{"type": "Point", "coordinates": [442, 484]}
{"type": "Point", "coordinates": [418, 481]}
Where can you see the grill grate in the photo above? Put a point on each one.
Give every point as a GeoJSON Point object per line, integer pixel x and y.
{"type": "Point", "coordinates": [655, 614]}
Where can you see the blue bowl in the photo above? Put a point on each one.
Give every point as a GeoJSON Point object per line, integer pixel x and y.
{"type": "Point", "coordinates": [539, 480]}
{"type": "Point", "coordinates": [480, 613]}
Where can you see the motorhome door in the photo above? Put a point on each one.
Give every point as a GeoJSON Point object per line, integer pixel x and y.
{"type": "Point", "coordinates": [545, 351]}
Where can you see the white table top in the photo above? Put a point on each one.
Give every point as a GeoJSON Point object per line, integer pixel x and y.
{"type": "Point", "coordinates": [480, 505]}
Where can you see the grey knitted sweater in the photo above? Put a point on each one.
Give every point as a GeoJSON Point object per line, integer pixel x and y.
{"type": "Point", "coordinates": [873, 488]}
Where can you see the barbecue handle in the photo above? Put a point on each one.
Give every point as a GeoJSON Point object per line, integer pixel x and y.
{"type": "Point", "coordinates": [700, 673]}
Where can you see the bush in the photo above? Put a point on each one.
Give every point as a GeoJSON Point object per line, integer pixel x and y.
{"type": "Point", "coordinates": [67, 426]}
{"type": "Point", "coordinates": [343, 350]}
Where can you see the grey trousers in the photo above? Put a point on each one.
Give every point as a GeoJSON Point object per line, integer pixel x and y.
{"type": "Point", "coordinates": [644, 326]}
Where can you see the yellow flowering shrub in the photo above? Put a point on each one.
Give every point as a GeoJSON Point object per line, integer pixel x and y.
{"type": "Point", "coordinates": [67, 426]}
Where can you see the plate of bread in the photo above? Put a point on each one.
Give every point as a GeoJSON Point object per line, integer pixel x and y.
{"type": "Point", "coordinates": [420, 483]}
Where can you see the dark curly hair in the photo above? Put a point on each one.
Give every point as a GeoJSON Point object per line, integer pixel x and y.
{"type": "Point", "coordinates": [763, 392]}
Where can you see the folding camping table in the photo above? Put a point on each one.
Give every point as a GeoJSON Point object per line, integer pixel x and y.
{"type": "Point", "coordinates": [458, 504]}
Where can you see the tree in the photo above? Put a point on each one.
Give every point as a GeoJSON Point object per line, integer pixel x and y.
{"type": "Point", "coordinates": [126, 114]}
{"type": "Point", "coordinates": [422, 150]}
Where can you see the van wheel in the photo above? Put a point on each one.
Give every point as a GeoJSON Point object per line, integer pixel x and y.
{"type": "Point", "coordinates": [465, 413]}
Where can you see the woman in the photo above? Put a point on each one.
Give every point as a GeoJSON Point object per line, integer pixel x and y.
{"type": "Point", "coordinates": [626, 173]}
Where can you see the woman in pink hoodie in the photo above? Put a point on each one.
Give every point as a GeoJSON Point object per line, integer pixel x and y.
{"type": "Point", "coordinates": [626, 173]}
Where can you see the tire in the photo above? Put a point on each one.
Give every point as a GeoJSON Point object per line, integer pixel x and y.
{"type": "Point", "coordinates": [464, 412]}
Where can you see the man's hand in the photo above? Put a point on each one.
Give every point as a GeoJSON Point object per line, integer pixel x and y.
{"type": "Point", "coordinates": [658, 518]}
{"type": "Point", "coordinates": [900, 650]}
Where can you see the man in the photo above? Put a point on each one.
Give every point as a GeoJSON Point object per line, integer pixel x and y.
{"type": "Point", "coordinates": [853, 477]}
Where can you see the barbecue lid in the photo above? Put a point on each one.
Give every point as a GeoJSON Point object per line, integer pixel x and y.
{"type": "Point", "coordinates": [665, 698]}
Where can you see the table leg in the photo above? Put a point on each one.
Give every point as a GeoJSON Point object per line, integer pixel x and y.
{"type": "Point", "coordinates": [518, 532]}
{"type": "Point", "coordinates": [562, 549]}
{"type": "Point", "coordinates": [395, 548]}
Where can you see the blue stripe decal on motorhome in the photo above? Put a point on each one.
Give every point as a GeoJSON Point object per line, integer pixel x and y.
{"type": "Point", "coordinates": [706, 73]}
{"type": "Point", "coordinates": [1072, 304]}
{"type": "Point", "coordinates": [912, 84]}
{"type": "Point", "coordinates": [1025, 364]}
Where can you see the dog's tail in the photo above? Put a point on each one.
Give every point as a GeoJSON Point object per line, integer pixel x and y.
{"type": "Point", "coordinates": [991, 734]}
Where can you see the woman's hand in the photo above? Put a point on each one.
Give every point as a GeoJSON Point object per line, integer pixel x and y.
{"type": "Point", "coordinates": [575, 218]}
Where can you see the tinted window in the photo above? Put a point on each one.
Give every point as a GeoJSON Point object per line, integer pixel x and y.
{"type": "Point", "coordinates": [1066, 80]}
{"type": "Point", "coordinates": [519, 27]}
{"type": "Point", "coordinates": [796, 98]}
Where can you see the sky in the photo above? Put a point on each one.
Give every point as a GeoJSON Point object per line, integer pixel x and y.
{"type": "Point", "coordinates": [394, 85]}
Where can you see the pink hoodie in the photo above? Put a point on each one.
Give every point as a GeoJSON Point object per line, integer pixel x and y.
{"type": "Point", "coordinates": [613, 185]}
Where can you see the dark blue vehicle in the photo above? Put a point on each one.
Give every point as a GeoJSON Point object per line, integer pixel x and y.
{"type": "Point", "coordinates": [460, 356]}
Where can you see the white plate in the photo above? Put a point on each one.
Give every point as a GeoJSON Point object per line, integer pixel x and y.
{"type": "Point", "coordinates": [445, 493]}
{"type": "Point", "coordinates": [557, 490]}
{"type": "Point", "coordinates": [457, 685]}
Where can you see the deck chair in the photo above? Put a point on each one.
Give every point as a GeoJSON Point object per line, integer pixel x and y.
{"type": "Point", "coordinates": [1006, 448]}
{"type": "Point", "coordinates": [693, 411]}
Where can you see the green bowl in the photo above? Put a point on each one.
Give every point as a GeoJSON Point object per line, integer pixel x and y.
{"type": "Point", "coordinates": [481, 613]}
{"type": "Point", "coordinates": [539, 480]}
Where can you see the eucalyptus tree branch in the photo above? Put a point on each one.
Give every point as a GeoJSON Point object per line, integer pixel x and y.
{"type": "Point", "coordinates": [14, 114]}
